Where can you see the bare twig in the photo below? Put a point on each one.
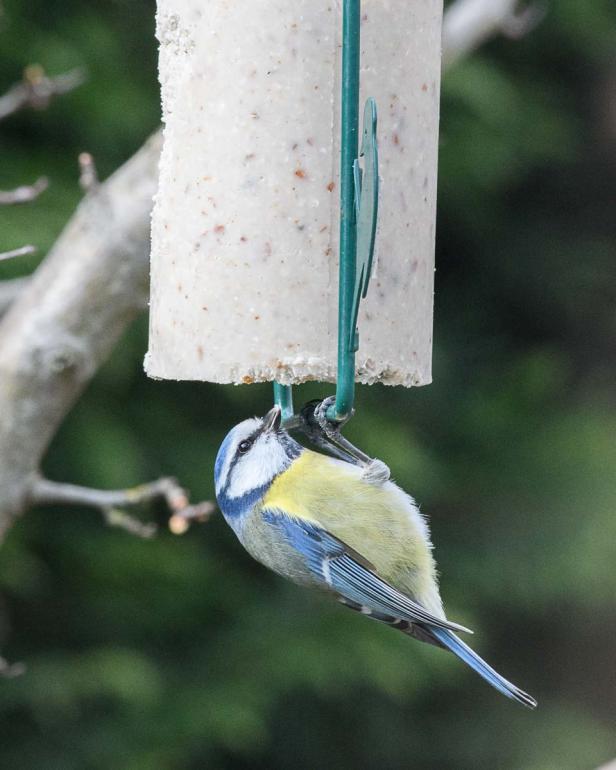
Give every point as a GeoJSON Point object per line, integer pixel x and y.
{"type": "Point", "coordinates": [116, 517]}
{"type": "Point", "coordinates": [36, 90]}
{"type": "Point", "coordinates": [181, 520]}
{"type": "Point", "coordinates": [54, 492]}
{"type": "Point", "coordinates": [25, 193]}
{"type": "Point", "coordinates": [112, 502]}
{"type": "Point", "coordinates": [469, 23]}
{"type": "Point", "coordinates": [88, 176]}
{"type": "Point", "coordinates": [11, 670]}
{"type": "Point", "coordinates": [22, 251]}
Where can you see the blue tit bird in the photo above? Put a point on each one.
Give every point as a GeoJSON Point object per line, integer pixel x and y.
{"type": "Point", "coordinates": [326, 523]}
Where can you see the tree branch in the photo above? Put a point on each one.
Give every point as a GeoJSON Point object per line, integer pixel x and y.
{"type": "Point", "coordinates": [88, 175]}
{"type": "Point", "coordinates": [22, 251]}
{"type": "Point", "coordinates": [25, 193]}
{"type": "Point", "coordinates": [36, 90]}
{"type": "Point", "coordinates": [469, 23]}
{"type": "Point", "coordinates": [9, 290]}
{"type": "Point", "coordinates": [111, 502]}
{"type": "Point", "coordinates": [67, 320]}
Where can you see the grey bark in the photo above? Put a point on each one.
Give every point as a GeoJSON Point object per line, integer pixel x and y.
{"type": "Point", "coordinates": [68, 318]}
{"type": "Point", "coordinates": [9, 290]}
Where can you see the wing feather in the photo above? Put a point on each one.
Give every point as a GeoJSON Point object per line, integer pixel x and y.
{"type": "Point", "coordinates": [347, 573]}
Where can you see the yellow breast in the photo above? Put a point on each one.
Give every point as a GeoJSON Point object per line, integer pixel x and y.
{"type": "Point", "coordinates": [379, 521]}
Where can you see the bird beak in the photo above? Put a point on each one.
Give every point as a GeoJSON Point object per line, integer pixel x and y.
{"type": "Point", "coordinates": [272, 420]}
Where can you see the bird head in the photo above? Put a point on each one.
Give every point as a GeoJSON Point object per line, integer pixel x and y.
{"type": "Point", "coordinates": [249, 459]}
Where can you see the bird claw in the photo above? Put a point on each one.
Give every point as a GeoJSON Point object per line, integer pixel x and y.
{"type": "Point", "coordinates": [376, 473]}
{"type": "Point", "coordinates": [313, 422]}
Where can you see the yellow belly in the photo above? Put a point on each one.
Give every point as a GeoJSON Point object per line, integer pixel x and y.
{"type": "Point", "coordinates": [379, 522]}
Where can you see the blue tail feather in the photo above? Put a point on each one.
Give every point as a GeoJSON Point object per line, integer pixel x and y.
{"type": "Point", "coordinates": [463, 651]}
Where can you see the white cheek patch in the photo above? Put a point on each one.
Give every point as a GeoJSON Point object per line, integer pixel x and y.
{"type": "Point", "coordinates": [259, 466]}
{"type": "Point", "coordinates": [235, 437]}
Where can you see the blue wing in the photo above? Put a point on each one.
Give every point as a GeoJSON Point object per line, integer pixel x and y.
{"type": "Point", "coordinates": [348, 573]}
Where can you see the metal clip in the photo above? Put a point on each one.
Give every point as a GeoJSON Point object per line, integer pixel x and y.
{"type": "Point", "coordinates": [366, 207]}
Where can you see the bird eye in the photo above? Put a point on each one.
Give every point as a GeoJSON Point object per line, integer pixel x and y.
{"type": "Point", "coordinates": [244, 446]}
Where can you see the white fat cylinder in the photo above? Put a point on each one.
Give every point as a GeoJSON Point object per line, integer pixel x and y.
{"type": "Point", "coordinates": [244, 268]}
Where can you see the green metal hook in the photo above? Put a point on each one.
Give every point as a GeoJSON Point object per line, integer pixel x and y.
{"type": "Point", "coordinates": [283, 397]}
{"type": "Point", "coordinates": [358, 216]}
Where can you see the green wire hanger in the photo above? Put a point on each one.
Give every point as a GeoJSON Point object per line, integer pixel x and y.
{"type": "Point", "coordinates": [359, 192]}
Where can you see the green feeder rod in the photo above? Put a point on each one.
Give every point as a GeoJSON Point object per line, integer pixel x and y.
{"type": "Point", "coordinates": [358, 216]}
{"type": "Point", "coordinates": [283, 396]}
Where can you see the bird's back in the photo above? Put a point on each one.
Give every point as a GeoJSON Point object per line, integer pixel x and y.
{"type": "Point", "coordinates": [379, 521]}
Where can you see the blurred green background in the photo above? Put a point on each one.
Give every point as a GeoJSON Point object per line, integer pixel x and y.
{"type": "Point", "coordinates": [182, 653]}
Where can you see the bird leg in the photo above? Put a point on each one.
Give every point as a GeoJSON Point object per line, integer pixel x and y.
{"type": "Point", "coordinates": [313, 422]}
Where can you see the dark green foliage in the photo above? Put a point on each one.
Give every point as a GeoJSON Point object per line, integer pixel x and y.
{"type": "Point", "coordinates": [181, 653]}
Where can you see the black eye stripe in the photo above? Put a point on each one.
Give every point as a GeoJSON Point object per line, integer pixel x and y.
{"type": "Point", "coordinates": [239, 454]}
{"type": "Point", "coordinates": [291, 448]}
{"type": "Point", "coordinates": [250, 440]}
